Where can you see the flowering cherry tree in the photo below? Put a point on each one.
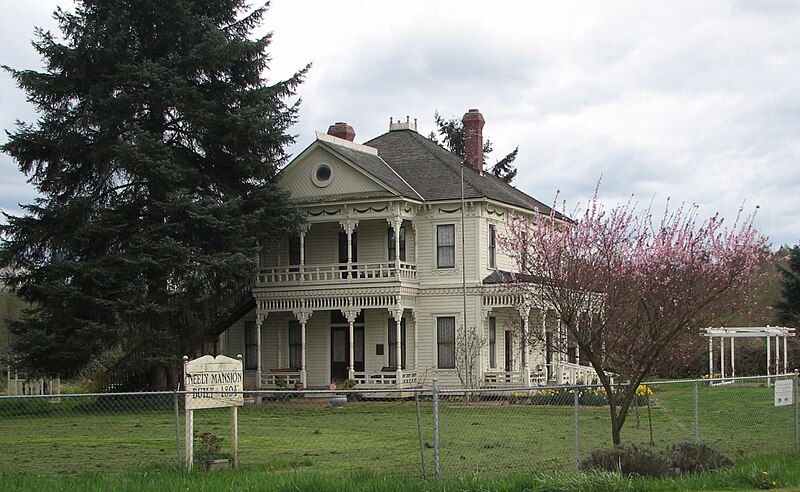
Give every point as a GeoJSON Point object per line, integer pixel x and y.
{"type": "Point", "coordinates": [629, 288]}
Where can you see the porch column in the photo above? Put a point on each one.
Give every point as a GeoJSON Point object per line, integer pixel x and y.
{"type": "Point", "coordinates": [524, 313]}
{"type": "Point", "coordinates": [414, 228]}
{"type": "Point", "coordinates": [710, 357]}
{"type": "Point", "coordinates": [302, 316]}
{"type": "Point", "coordinates": [769, 357]}
{"type": "Point", "coordinates": [397, 314]}
{"type": "Point", "coordinates": [351, 315]}
{"type": "Point", "coordinates": [733, 357]}
{"type": "Point", "coordinates": [416, 344]}
{"type": "Point", "coordinates": [303, 231]}
{"type": "Point", "coordinates": [559, 356]}
{"type": "Point", "coordinates": [722, 357]}
{"type": "Point", "coordinates": [349, 226]}
{"type": "Point", "coordinates": [785, 353]}
{"type": "Point", "coordinates": [543, 316]}
{"type": "Point", "coordinates": [260, 318]}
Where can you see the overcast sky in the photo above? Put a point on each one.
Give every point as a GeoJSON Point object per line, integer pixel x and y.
{"type": "Point", "coordinates": [698, 102]}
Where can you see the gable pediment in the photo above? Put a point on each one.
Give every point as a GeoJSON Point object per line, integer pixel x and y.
{"type": "Point", "coordinates": [319, 173]}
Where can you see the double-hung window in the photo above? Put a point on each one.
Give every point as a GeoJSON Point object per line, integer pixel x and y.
{"type": "Point", "coordinates": [295, 345]}
{"type": "Point", "coordinates": [446, 246]}
{"type": "Point", "coordinates": [492, 246]}
{"type": "Point", "coordinates": [446, 342]}
{"type": "Point", "coordinates": [393, 343]}
{"type": "Point", "coordinates": [250, 345]}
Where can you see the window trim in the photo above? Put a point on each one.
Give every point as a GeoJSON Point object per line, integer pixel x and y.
{"type": "Point", "coordinates": [442, 247]}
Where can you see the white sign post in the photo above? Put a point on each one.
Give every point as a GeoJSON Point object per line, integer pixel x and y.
{"type": "Point", "coordinates": [784, 394]}
{"type": "Point", "coordinates": [213, 382]}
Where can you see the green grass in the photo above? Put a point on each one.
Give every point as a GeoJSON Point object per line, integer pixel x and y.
{"type": "Point", "coordinates": [116, 436]}
{"type": "Point", "coordinates": [764, 473]}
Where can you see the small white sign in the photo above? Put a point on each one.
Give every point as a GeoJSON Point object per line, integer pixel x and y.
{"type": "Point", "coordinates": [783, 392]}
{"type": "Point", "coordinates": [214, 382]}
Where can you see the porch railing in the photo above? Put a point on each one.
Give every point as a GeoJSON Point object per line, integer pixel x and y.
{"type": "Point", "coordinates": [377, 379]}
{"type": "Point", "coordinates": [281, 379]}
{"type": "Point", "coordinates": [337, 272]}
{"type": "Point", "coordinates": [575, 373]}
{"type": "Point", "coordinates": [514, 378]}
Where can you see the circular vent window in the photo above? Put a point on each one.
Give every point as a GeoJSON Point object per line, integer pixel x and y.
{"type": "Point", "coordinates": [322, 176]}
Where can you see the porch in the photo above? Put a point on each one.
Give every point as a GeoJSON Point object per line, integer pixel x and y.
{"type": "Point", "coordinates": [317, 348]}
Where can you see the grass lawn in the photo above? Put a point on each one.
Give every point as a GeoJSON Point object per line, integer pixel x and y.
{"type": "Point", "coordinates": [781, 472]}
{"type": "Point", "coordinates": [484, 439]}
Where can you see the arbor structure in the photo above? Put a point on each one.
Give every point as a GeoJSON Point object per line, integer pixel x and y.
{"type": "Point", "coordinates": [789, 305]}
{"type": "Point", "coordinates": [154, 154]}
{"type": "Point", "coordinates": [452, 133]}
{"type": "Point", "coordinates": [629, 289]}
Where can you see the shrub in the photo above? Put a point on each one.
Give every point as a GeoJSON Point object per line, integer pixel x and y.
{"type": "Point", "coordinates": [694, 458]}
{"type": "Point", "coordinates": [207, 447]}
{"type": "Point", "coordinates": [634, 459]}
{"type": "Point", "coordinates": [586, 397]}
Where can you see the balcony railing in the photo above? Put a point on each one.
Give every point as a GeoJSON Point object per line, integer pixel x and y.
{"type": "Point", "coordinates": [338, 272]}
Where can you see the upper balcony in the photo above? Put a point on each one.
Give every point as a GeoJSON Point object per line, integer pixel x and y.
{"type": "Point", "coordinates": [337, 273]}
{"type": "Point", "coordinates": [376, 252]}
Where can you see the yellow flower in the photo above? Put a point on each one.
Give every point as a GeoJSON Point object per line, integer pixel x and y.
{"type": "Point", "coordinates": [643, 390]}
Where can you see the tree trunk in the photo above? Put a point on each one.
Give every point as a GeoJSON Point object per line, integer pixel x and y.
{"type": "Point", "coordinates": [616, 428]}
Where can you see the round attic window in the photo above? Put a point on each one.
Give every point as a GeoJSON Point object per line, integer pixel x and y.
{"type": "Point", "coordinates": [322, 176]}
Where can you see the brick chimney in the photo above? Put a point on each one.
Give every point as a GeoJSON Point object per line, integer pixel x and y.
{"type": "Point", "coordinates": [473, 139]}
{"type": "Point", "coordinates": [342, 130]}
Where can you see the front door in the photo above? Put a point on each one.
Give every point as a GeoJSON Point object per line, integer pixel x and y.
{"type": "Point", "coordinates": [340, 350]}
{"type": "Point", "coordinates": [509, 351]}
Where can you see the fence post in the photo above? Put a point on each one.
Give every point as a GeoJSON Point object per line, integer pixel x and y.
{"type": "Point", "coordinates": [796, 413]}
{"type": "Point", "coordinates": [177, 431]}
{"type": "Point", "coordinates": [577, 430]}
{"type": "Point", "coordinates": [419, 432]}
{"type": "Point", "coordinates": [696, 413]}
{"type": "Point", "coordinates": [436, 469]}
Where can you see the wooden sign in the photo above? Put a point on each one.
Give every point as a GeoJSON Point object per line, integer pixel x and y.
{"type": "Point", "coordinates": [214, 382]}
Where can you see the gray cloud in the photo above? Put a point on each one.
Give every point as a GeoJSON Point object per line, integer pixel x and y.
{"type": "Point", "coordinates": [695, 101]}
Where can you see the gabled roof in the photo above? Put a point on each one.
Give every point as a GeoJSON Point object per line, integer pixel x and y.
{"type": "Point", "coordinates": [376, 167]}
{"type": "Point", "coordinates": [435, 173]}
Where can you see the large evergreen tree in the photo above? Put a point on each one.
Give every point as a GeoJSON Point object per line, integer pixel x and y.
{"type": "Point", "coordinates": [452, 133]}
{"type": "Point", "coordinates": [789, 306]}
{"type": "Point", "coordinates": [154, 155]}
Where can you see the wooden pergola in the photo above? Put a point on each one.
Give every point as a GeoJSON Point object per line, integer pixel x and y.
{"type": "Point", "coordinates": [779, 333]}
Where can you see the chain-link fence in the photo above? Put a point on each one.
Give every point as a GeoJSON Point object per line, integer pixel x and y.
{"type": "Point", "coordinates": [486, 431]}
